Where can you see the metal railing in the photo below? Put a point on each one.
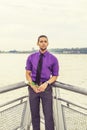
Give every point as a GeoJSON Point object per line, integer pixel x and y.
{"type": "Point", "coordinates": [15, 114]}
{"type": "Point", "coordinates": [70, 115]}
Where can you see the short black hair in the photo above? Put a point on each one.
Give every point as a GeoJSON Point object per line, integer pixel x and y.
{"type": "Point", "coordinates": [42, 36]}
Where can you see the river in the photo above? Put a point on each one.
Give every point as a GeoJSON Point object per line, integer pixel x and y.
{"type": "Point", "coordinates": [73, 68]}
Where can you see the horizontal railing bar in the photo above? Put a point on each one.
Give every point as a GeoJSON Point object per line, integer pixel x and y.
{"type": "Point", "coordinates": [12, 87]}
{"type": "Point", "coordinates": [2, 105]}
{"type": "Point", "coordinates": [11, 107]}
{"type": "Point", "coordinates": [70, 103]}
{"type": "Point", "coordinates": [56, 84]}
{"type": "Point", "coordinates": [71, 88]}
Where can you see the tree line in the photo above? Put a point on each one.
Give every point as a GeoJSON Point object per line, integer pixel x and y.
{"type": "Point", "coordinates": [53, 50]}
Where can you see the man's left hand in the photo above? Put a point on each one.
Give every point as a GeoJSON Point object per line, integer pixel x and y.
{"type": "Point", "coordinates": [42, 87]}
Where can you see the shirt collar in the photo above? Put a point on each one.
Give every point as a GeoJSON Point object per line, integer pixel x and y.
{"type": "Point", "coordinates": [44, 53]}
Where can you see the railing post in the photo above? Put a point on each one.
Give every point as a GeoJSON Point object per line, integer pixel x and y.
{"type": "Point", "coordinates": [58, 112]}
{"type": "Point", "coordinates": [27, 118]}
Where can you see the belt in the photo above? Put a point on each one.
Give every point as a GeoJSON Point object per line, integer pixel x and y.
{"type": "Point", "coordinates": [39, 83]}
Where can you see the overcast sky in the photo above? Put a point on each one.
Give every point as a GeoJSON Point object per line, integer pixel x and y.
{"type": "Point", "coordinates": [63, 21]}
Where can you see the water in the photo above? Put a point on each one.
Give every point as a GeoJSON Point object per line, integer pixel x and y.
{"type": "Point", "coordinates": [73, 68]}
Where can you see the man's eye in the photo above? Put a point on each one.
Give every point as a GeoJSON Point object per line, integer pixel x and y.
{"type": "Point", "coordinates": [43, 41]}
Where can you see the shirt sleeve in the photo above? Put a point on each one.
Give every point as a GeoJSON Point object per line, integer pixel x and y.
{"type": "Point", "coordinates": [28, 64]}
{"type": "Point", "coordinates": [55, 68]}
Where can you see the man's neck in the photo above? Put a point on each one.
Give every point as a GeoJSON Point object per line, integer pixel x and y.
{"type": "Point", "coordinates": [43, 51]}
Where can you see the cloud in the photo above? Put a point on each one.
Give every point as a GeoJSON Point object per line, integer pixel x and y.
{"type": "Point", "coordinates": [21, 21]}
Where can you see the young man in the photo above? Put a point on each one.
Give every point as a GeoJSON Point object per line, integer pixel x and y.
{"type": "Point", "coordinates": [42, 70]}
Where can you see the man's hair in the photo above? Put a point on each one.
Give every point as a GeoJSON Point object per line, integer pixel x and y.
{"type": "Point", "coordinates": [41, 37]}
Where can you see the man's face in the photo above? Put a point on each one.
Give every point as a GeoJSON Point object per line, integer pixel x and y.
{"type": "Point", "coordinates": [43, 43]}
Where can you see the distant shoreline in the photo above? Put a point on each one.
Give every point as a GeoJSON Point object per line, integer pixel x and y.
{"type": "Point", "coordinates": [55, 50]}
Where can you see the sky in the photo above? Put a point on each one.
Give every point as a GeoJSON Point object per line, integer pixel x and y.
{"type": "Point", "coordinates": [63, 21]}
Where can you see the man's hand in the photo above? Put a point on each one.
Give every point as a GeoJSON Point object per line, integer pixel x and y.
{"type": "Point", "coordinates": [35, 89]}
{"type": "Point", "coordinates": [42, 87]}
{"type": "Point", "coordinates": [34, 86]}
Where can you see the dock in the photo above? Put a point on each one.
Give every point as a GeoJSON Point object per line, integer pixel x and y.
{"type": "Point", "coordinates": [69, 113]}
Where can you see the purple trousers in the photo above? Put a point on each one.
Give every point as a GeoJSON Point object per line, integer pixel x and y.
{"type": "Point", "coordinates": [47, 105]}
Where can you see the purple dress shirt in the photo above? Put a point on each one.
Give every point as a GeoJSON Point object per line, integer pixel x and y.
{"type": "Point", "coordinates": [50, 65]}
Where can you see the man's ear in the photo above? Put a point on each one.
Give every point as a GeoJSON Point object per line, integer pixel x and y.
{"type": "Point", "coordinates": [37, 44]}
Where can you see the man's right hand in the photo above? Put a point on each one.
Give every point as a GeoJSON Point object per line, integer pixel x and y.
{"type": "Point", "coordinates": [35, 89]}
